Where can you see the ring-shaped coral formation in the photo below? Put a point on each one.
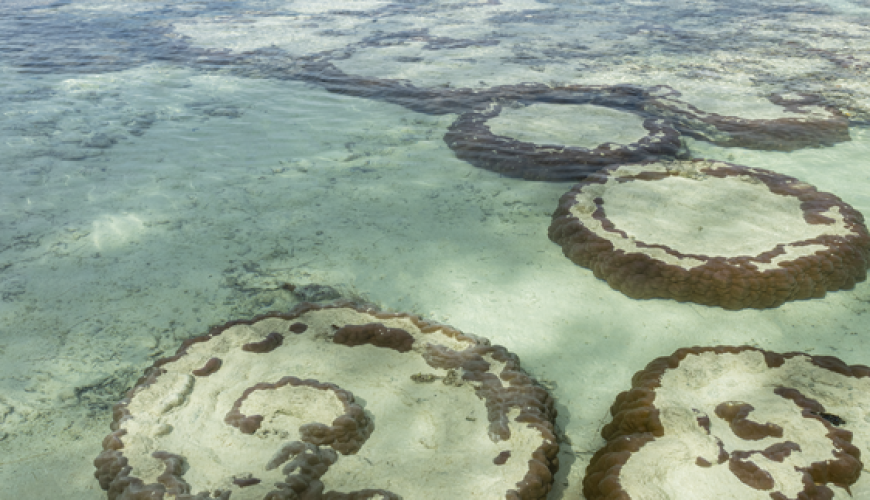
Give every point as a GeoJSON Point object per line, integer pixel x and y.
{"type": "Point", "coordinates": [736, 423]}
{"type": "Point", "coordinates": [806, 122]}
{"type": "Point", "coordinates": [332, 402]}
{"type": "Point", "coordinates": [473, 140]}
{"type": "Point", "coordinates": [713, 233]}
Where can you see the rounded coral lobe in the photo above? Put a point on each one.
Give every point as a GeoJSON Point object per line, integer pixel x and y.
{"type": "Point", "coordinates": [329, 402]}
{"type": "Point", "coordinates": [713, 233]}
{"type": "Point", "coordinates": [735, 422]}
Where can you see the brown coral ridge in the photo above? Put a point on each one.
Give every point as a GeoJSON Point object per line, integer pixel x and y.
{"type": "Point", "coordinates": [737, 416]}
{"type": "Point", "coordinates": [375, 334]}
{"type": "Point", "coordinates": [113, 473]}
{"type": "Point", "coordinates": [269, 344]}
{"type": "Point", "coordinates": [346, 435]}
{"type": "Point", "coordinates": [472, 140]}
{"type": "Point", "coordinates": [304, 470]}
{"type": "Point", "coordinates": [779, 134]}
{"type": "Point", "coordinates": [210, 366]}
{"type": "Point", "coordinates": [636, 422]}
{"type": "Point", "coordinates": [511, 389]}
{"type": "Point", "coordinates": [728, 282]}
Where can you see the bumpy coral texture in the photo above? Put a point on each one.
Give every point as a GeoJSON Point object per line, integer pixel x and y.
{"type": "Point", "coordinates": [731, 283]}
{"type": "Point", "coordinates": [636, 422]}
{"type": "Point", "coordinates": [309, 459]}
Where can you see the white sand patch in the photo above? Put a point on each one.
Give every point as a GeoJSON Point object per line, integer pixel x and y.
{"type": "Point", "coordinates": [583, 125]}
{"type": "Point", "coordinates": [290, 407]}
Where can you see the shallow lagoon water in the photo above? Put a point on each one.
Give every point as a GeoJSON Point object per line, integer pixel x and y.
{"type": "Point", "coordinates": [158, 179]}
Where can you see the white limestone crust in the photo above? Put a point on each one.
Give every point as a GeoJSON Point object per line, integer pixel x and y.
{"type": "Point", "coordinates": [579, 125]}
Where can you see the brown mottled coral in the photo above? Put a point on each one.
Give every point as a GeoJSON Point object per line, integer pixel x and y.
{"type": "Point", "coordinates": [329, 399]}
{"type": "Point", "coordinates": [735, 422]}
{"type": "Point", "coordinates": [713, 233]}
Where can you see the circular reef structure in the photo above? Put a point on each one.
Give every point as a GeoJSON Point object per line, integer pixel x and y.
{"type": "Point", "coordinates": [540, 133]}
{"type": "Point", "coordinates": [712, 233]}
{"type": "Point", "coordinates": [737, 423]}
{"type": "Point", "coordinates": [806, 122]}
{"type": "Point", "coordinates": [335, 402]}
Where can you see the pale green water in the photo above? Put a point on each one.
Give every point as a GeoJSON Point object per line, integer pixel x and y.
{"type": "Point", "coordinates": [152, 187]}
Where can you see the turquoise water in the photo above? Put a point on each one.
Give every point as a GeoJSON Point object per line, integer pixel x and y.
{"type": "Point", "coordinates": [170, 166]}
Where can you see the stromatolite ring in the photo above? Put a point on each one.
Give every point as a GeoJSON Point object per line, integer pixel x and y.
{"type": "Point", "coordinates": [713, 233]}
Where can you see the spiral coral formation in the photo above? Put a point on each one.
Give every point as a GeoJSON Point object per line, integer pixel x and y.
{"type": "Point", "coordinates": [335, 402]}
{"type": "Point", "coordinates": [713, 233]}
{"type": "Point", "coordinates": [735, 422]}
